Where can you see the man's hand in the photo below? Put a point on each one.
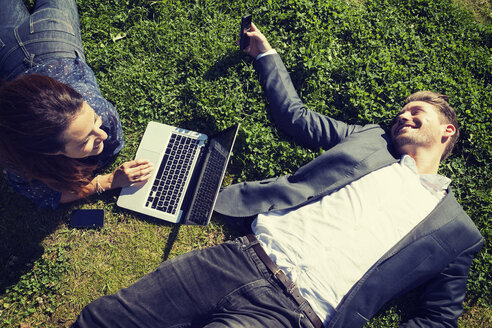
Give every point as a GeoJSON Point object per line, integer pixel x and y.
{"type": "Point", "coordinates": [257, 42]}
{"type": "Point", "coordinates": [130, 172]}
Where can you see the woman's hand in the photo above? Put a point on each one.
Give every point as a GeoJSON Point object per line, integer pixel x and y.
{"type": "Point", "coordinates": [130, 172]}
{"type": "Point", "coordinates": [257, 42]}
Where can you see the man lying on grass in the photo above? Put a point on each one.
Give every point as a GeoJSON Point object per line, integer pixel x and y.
{"type": "Point", "coordinates": [366, 221]}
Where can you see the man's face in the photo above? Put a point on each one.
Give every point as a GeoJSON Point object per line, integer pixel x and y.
{"type": "Point", "coordinates": [417, 125]}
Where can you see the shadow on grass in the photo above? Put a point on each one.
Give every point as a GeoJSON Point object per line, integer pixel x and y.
{"type": "Point", "coordinates": [175, 228]}
{"type": "Point", "coordinates": [170, 241]}
{"type": "Point", "coordinates": [234, 227]}
{"type": "Point", "coordinates": [22, 229]}
{"type": "Point", "coordinates": [221, 67]}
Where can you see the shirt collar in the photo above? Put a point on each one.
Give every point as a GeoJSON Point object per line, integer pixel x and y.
{"type": "Point", "coordinates": [435, 183]}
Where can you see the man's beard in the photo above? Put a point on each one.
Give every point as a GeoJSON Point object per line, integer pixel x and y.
{"type": "Point", "coordinates": [422, 137]}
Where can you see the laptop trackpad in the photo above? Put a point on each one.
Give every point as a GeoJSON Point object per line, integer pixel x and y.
{"type": "Point", "coordinates": [154, 158]}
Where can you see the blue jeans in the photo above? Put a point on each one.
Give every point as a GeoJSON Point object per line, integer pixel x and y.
{"type": "Point", "coordinates": [26, 40]}
{"type": "Point", "coordinates": [223, 286]}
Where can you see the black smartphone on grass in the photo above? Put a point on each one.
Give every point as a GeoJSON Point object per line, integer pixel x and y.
{"type": "Point", "coordinates": [245, 26]}
{"type": "Point", "coordinates": [90, 218]}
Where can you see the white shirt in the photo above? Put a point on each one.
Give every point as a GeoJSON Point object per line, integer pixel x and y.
{"type": "Point", "coordinates": [326, 246]}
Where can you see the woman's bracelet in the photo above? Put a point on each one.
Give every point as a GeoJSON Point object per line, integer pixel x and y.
{"type": "Point", "coordinates": [99, 188]}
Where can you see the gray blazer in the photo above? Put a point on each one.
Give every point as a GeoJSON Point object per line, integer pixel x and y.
{"type": "Point", "coordinates": [435, 256]}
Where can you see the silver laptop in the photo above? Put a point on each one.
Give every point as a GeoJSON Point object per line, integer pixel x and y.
{"type": "Point", "coordinates": [188, 173]}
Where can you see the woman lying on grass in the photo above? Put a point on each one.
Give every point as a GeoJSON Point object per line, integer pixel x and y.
{"type": "Point", "coordinates": [56, 129]}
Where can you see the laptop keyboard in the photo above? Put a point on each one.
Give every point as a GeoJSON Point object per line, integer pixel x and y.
{"type": "Point", "coordinates": [171, 176]}
{"type": "Point", "coordinates": [212, 175]}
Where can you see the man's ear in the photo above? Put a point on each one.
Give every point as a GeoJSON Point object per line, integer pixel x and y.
{"type": "Point", "coordinates": [449, 130]}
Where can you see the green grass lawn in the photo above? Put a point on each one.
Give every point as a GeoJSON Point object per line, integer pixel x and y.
{"type": "Point", "coordinates": [177, 62]}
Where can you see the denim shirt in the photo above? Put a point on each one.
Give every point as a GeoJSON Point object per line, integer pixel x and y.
{"type": "Point", "coordinates": [80, 77]}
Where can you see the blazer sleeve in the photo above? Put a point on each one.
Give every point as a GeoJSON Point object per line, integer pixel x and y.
{"type": "Point", "coordinates": [440, 302]}
{"type": "Point", "coordinates": [307, 127]}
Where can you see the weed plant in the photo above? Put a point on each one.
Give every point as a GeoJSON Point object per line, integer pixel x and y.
{"type": "Point", "coordinates": [177, 62]}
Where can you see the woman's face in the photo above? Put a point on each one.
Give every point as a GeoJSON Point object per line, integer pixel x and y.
{"type": "Point", "coordinates": [84, 136]}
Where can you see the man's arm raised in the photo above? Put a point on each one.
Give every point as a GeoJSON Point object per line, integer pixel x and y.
{"type": "Point", "coordinates": [309, 128]}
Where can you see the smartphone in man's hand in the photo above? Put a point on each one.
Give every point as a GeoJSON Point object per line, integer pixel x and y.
{"type": "Point", "coordinates": [245, 26]}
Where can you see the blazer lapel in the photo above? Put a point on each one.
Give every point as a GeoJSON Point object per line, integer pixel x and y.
{"type": "Point", "coordinates": [444, 212]}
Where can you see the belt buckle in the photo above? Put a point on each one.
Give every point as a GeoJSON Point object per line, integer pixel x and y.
{"type": "Point", "coordinates": [282, 278]}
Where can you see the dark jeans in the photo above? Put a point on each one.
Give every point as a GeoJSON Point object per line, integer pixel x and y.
{"type": "Point", "coordinates": [222, 286]}
{"type": "Point", "coordinates": [26, 40]}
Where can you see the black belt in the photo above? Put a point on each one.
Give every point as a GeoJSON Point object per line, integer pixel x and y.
{"type": "Point", "coordinates": [288, 284]}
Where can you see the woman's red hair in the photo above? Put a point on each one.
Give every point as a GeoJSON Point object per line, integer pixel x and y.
{"type": "Point", "coordinates": [34, 112]}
